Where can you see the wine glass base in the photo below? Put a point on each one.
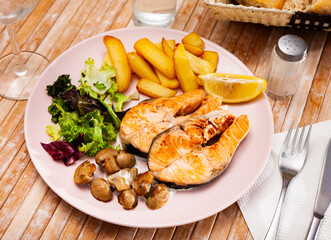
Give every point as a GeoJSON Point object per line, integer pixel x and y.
{"type": "Point", "coordinates": [17, 84]}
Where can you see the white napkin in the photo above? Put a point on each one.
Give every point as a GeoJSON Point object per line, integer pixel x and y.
{"type": "Point", "coordinates": [259, 203]}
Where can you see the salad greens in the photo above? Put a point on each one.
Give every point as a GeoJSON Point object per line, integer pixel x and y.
{"type": "Point", "coordinates": [83, 116]}
{"type": "Point", "coordinates": [62, 84]}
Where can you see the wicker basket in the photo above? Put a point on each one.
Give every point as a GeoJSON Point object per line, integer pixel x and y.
{"type": "Point", "coordinates": [226, 10]}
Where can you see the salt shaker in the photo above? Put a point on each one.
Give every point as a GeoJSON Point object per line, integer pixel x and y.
{"type": "Point", "coordinates": [287, 63]}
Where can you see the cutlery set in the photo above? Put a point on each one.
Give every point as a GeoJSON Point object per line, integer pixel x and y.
{"type": "Point", "coordinates": [291, 161]}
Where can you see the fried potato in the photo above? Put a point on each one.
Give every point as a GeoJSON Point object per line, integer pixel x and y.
{"type": "Point", "coordinates": [166, 82]}
{"type": "Point", "coordinates": [106, 60]}
{"type": "Point", "coordinates": [167, 49]}
{"type": "Point", "coordinates": [171, 43]}
{"type": "Point", "coordinates": [156, 57]}
{"type": "Point", "coordinates": [198, 80]}
{"type": "Point", "coordinates": [153, 89]}
{"type": "Point", "coordinates": [198, 65]}
{"type": "Point", "coordinates": [119, 61]}
{"type": "Point", "coordinates": [141, 67]}
{"type": "Point", "coordinates": [194, 50]}
{"type": "Point", "coordinates": [211, 57]}
{"type": "Point", "coordinates": [159, 45]}
{"type": "Point", "coordinates": [194, 40]}
{"type": "Point", "coordinates": [185, 75]}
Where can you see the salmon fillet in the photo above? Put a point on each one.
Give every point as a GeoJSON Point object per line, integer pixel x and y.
{"type": "Point", "coordinates": [145, 121]}
{"type": "Point", "coordinates": [177, 156]}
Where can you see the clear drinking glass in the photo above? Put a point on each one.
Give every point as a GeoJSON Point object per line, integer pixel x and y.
{"type": "Point", "coordinates": [18, 70]}
{"type": "Point", "coordinates": [157, 13]}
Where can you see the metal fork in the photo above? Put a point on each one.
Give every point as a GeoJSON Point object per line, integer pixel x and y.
{"type": "Point", "coordinates": [291, 160]}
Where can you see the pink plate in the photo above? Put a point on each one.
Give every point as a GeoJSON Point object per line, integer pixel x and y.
{"type": "Point", "coordinates": [184, 206]}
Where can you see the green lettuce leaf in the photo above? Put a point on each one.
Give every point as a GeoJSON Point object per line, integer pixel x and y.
{"type": "Point", "coordinates": [99, 81]}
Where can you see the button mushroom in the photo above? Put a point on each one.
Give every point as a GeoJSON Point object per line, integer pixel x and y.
{"type": "Point", "coordinates": [128, 199]}
{"type": "Point", "coordinates": [125, 160]}
{"type": "Point", "coordinates": [100, 189]}
{"type": "Point", "coordinates": [84, 173]}
{"type": "Point", "coordinates": [107, 159]}
{"type": "Point", "coordinates": [158, 197]}
{"type": "Point", "coordinates": [142, 183]}
{"type": "Point", "coordinates": [122, 184]}
{"type": "Point", "coordinates": [123, 179]}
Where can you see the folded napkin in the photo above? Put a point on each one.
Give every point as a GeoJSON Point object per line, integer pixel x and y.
{"type": "Point", "coordinates": [259, 203]}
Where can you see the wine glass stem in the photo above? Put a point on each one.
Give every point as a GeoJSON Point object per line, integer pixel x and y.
{"type": "Point", "coordinates": [20, 69]}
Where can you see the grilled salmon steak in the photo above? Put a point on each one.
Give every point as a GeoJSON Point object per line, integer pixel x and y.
{"type": "Point", "coordinates": [181, 155]}
{"type": "Point", "coordinates": [146, 120]}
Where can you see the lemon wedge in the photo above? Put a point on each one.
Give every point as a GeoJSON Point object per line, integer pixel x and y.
{"type": "Point", "coordinates": [233, 88]}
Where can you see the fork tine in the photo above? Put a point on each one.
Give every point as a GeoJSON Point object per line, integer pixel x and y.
{"type": "Point", "coordinates": [295, 138]}
{"type": "Point", "coordinates": [299, 146]}
{"type": "Point", "coordinates": [288, 136]}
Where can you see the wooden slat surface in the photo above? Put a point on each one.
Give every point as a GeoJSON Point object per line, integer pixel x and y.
{"type": "Point", "coordinates": [30, 210]}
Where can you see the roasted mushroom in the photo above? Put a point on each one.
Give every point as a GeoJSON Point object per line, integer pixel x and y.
{"type": "Point", "coordinates": [123, 179]}
{"type": "Point", "coordinates": [128, 199]}
{"type": "Point", "coordinates": [100, 189]}
{"type": "Point", "coordinates": [125, 160]}
{"type": "Point", "coordinates": [122, 184]}
{"type": "Point", "coordinates": [158, 197]}
{"type": "Point", "coordinates": [107, 159]}
{"type": "Point", "coordinates": [84, 173]}
{"type": "Point", "coordinates": [142, 183]}
{"type": "Point", "coordinates": [133, 172]}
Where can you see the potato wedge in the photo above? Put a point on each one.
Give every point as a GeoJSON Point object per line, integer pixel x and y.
{"type": "Point", "coordinates": [167, 49]}
{"type": "Point", "coordinates": [171, 42]}
{"type": "Point", "coordinates": [141, 67]}
{"type": "Point", "coordinates": [106, 60]}
{"type": "Point", "coordinates": [153, 89]}
{"type": "Point", "coordinates": [198, 65]}
{"type": "Point", "coordinates": [211, 57]}
{"type": "Point", "coordinates": [199, 81]}
{"type": "Point", "coordinates": [194, 39]}
{"type": "Point", "coordinates": [166, 82]}
{"type": "Point", "coordinates": [185, 75]}
{"type": "Point", "coordinates": [159, 45]}
{"type": "Point", "coordinates": [194, 50]}
{"type": "Point", "coordinates": [155, 57]}
{"type": "Point", "coordinates": [119, 61]}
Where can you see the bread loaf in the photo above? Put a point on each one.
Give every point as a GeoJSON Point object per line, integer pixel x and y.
{"type": "Point", "coordinates": [278, 4]}
{"type": "Point", "coordinates": [320, 6]}
{"type": "Point", "coordinates": [316, 6]}
{"type": "Point", "coordinates": [296, 5]}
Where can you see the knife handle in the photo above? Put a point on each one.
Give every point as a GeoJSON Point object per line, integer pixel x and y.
{"type": "Point", "coordinates": [314, 227]}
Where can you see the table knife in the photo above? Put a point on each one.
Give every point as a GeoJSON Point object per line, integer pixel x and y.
{"type": "Point", "coordinates": [323, 196]}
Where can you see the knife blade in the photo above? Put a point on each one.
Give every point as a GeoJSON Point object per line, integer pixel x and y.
{"type": "Point", "coordinates": [323, 196]}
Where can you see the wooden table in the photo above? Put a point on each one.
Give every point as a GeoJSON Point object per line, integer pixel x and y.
{"type": "Point", "coordinates": [29, 209]}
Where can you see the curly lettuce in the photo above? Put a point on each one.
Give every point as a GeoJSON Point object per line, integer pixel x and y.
{"type": "Point", "coordinates": [97, 134]}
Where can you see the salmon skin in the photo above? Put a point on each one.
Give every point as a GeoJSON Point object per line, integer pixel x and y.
{"type": "Point", "coordinates": [146, 120]}
{"type": "Point", "coordinates": [180, 158]}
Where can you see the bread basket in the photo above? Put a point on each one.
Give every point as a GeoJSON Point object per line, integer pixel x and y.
{"type": "Point", "coordinates": [227, 10]}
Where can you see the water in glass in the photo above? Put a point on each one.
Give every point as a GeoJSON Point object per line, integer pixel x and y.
{"type": "Point", "coordinates": [158, 13]}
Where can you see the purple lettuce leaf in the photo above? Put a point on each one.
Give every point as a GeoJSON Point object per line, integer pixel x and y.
{"type": "Point", "coordinates": [64, 151]}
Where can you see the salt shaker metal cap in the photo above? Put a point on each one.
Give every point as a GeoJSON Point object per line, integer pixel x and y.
{"type": "Point", "coordinates": [291, 48]}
